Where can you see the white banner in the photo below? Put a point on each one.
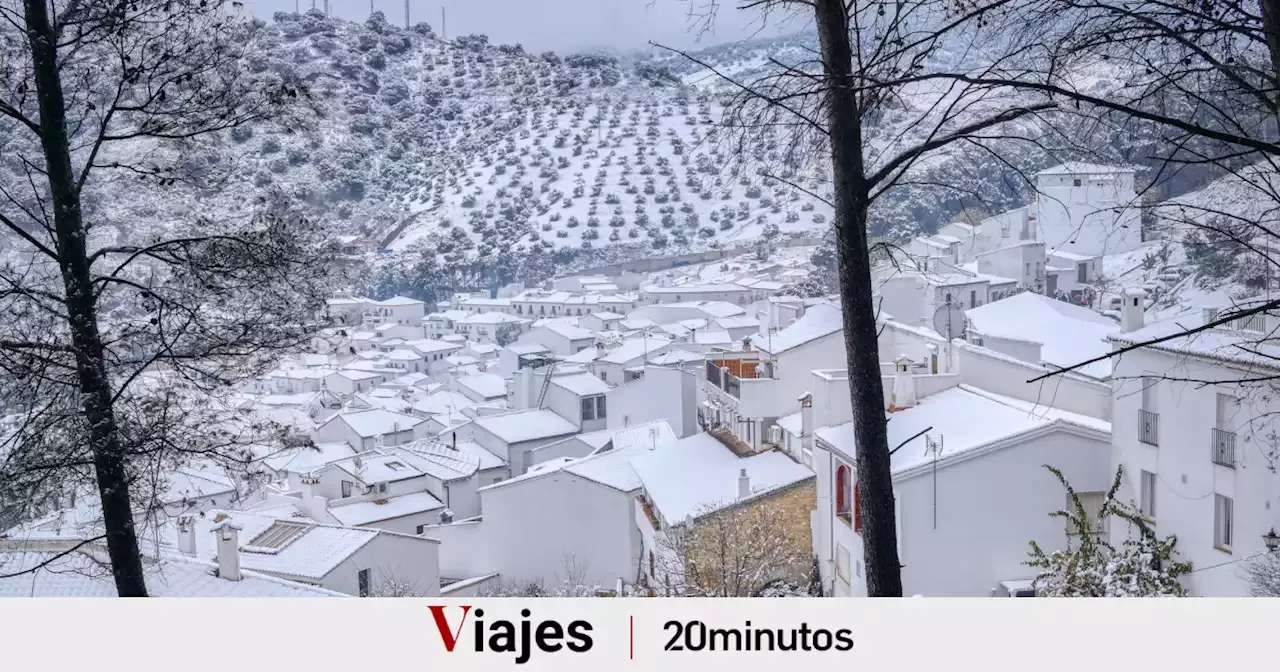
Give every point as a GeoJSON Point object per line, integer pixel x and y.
{"type": "Point", "coordinates": [192, 635]}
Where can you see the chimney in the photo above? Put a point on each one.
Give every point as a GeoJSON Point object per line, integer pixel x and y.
{"type": "Point", "coordinates": [227, 536]}
{"type": "Point", "coordinates": [904, 385]}
{"type": "Point", "coordinates": [313, 504]}
{"type": "Point", "coordinates": [446, 517]}
{"type": "Point", "coordinates": [744, 484]}
{"type": "Point", "coordinates": [454, 444]}
{"type": "Point", "coordinates": [187, 535]}
{"type": "Point", "coordinates": [1131, 312]}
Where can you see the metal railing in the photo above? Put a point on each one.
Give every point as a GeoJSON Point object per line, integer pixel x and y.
{"type": "Point", "coordinates": [1223, 447]}
{"type": "Point", "coordinates": [1149, 427]}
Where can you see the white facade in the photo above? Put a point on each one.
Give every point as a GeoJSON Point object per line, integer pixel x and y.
{"type": "Point", "coordinates": [1088, 209]}
{"type": "Point", "coordinates": [1201, 455]}
{"type": "Point", "coordinates": [661, 393]}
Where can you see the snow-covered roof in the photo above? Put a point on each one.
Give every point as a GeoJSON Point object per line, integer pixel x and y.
{"type": "Point", "coordinates": [675, 356]}
{"type": "Point", "coordinates": [526, 348]}
{"type": "Point", "coordinates": [404, 356]}
{"type": "Point", "coordinates": [376, 422]}
{"type": "Point", "coordinates": [737, 322]}
{"type": "Point", "coordinates": [461, 360]}
{"type": "Point", "coordinates": [312, 554]}
{"type": "Point", "coordinates": [302, 460]}
{"type": "Point", "coordinates": [792, 423]}
{"type": "Point", "coordinates": [581, 384]}
{"type": "Point", "coordinates": [483, 348]}
{"type": "Point", "coordinates": [444, 401]}
{"type": "Point", "coordinates": [631, 349]}
{"type": "Point", "coordinates": [485, 301]}
{"type": "Point", "coordinates": [817, 322]}
{"type": "Point", "coordinates": [399, 301]}
{"type": "Point", "coordinates": [966, 418]}
{"type": "Point", "coordinates": [1068, 334]}
{"type": "Point", "coordinates": [611, 468]}
{"type": "Point", "coordinates": [1228, 345]}
{"type": "Point", "coordinates": [715, 309]}
{"type": "Point", "coordinates": [487, 385]}
{"type": "Point", "coordinates": [697, 289]}
{"type": "Point", "coordinates": [699, 474]}
{"type": "Point", "coordinates": [607, 315]}
{"type": "Point", "coordinates": [372, 511]}
{"type": "Point", "coordinates": [189, 484]}
{"type": "Point", "coordinates": [569, 331]}
{"type": "Point", "coordinates": [1082, 168]}
{"type": "Point", "coordinates": [527, 425]}
{"type": "Point", "coordinates": [491, 318]}
{"type": "Point", "coordinates": [357, 375]}
{"type": "Point", "coordinates": [1070, 256]}
{"type": "Point", "coordinates": [86, 573]}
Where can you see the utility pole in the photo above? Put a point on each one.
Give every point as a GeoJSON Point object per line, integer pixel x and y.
{"type": "Point", "coordinates": [444, 35]}
{"type": "Point", "coordinates": [406, 14]}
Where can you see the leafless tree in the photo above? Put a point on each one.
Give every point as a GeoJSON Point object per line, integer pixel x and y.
{"type": "Point", "coordinates": [730, 551]}
{"type": "Point", "coordinates": [125, 335]}
{"type": "Point", "coordinates": [1262, 573]}
{"type": "Point", "coordinates": [858, 102]}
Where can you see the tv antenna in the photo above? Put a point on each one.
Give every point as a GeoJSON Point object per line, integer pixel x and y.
{"type": "Point", "coordinates": [933, 447]}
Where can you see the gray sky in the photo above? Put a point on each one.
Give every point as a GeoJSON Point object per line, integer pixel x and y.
{"type": "Point", "coordinates": [554, 24]}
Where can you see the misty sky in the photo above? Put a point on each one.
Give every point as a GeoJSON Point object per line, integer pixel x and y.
{"type": "Point", "coordinates": [556, 24]}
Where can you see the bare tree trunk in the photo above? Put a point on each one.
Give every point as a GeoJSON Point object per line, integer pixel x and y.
{"type": "Point", "coordinates": [69, 232]}
{"type": "Point", "coordinates": [852, 200]}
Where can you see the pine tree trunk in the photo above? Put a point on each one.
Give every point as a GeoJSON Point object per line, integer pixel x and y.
{"type": "Point", "coordinates": [852, 200]}
{"type": "Point", "coordinates": [69, 233]}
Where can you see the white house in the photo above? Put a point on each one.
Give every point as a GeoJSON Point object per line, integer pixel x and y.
{"type": "Point", "coordinates": [969, 485]}
{"type": "Point", "coordinates": [748, 391]}
{"type": "Point", "coordinates": [491, 327]}
{"type": "Point", "coordinates": [1088, 209]}
{"type": "Point", "coordinates": [570, 520]}
{"type": "Point", "coordinates": [560, 338]}
{"type": "Point", "coordinates": [1196, 443]}
{"type": "Point", "coordinates": [350, 381]}
{"type": "Point", "coordinates": [660, 393]}
{"type": "Point", "coordinates": [368, 429]}
{"type": "Point", "coordinates": [349, 560]}
{"type": "Point", "coordinates": [511, 436]}
{"type": "Point", "coordinates": [729, 293]}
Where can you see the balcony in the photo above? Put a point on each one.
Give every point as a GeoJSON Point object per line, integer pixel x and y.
{"type": "Point", "coordinates": [1149, 427]}
{"type": "Point", "coordinates": [1223, 447]}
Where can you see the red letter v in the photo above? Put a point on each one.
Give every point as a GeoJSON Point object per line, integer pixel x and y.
{"type": "Point", "coordinates": [450, 639]}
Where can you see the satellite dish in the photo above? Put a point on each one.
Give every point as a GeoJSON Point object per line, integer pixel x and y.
{"type": "Point", "coordinates": [948, 320]}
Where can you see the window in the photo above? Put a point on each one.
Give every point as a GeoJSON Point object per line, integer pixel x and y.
{"type": "Point", "coordinates": [1148, 495]}
{"type": "Point", "coordinates": [1028, 271]}
{"type": "Point", "coordinates": [844, 493]}
{"type": "Point", "coordinates": [1092, 504]}
{"type": "Point", "coordinates": [600, 415]}
{"type": "Point", "coordinates": [362, 577]}
{"type": "Point", "coordinates": [588, 409]}
{"type": "Point", "coordinates": [973, 298]}
{"type": "Point", "coordinates": [1082, 272]}
{"type": "Point", "coordinates": [1075, 183]}
{"type": "Point", "coordinates": [948, 297]}
{"type": "Point", "coordinates": [842, 563]}
{"type": "Point", "coordinates": [422, 529]}
{"type": "Point", "coordinates": [346, 488]}
{"type": "Point", "coordinates": [1222, 522]}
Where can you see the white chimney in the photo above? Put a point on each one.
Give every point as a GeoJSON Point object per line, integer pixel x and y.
{"type": "Point", "coordinates": [227, 536]}
{"type": "Point", "coordinates": [744, 484]}
{"type": "Point", "coordinates": [1132, 310]}
{"type": "Point", "coordinates": [904, 385]}
{"type": "Point", "coordinates": [313, 504]}
{"type": "Point", "coordinates": [187, 535]}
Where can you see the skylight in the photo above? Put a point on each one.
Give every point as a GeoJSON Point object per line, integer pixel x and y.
{"type": "Point", "coordinates": [280, 534]}
{"type": "Point", "coordinates": [395, 466]}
